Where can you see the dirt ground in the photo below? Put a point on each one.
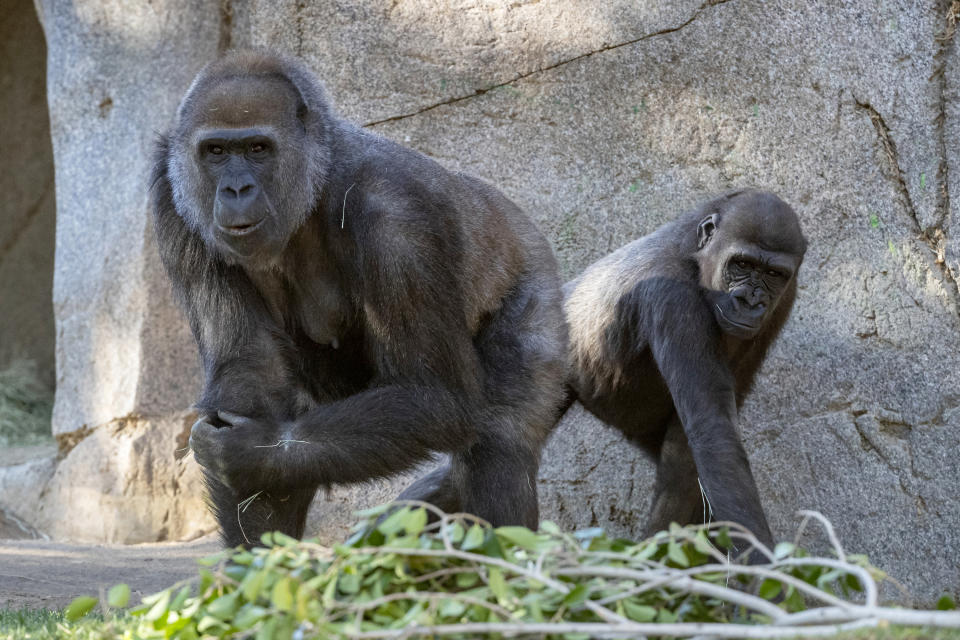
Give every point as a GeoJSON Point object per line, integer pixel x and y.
{"type": "Point", "coordinates": [36, 574]}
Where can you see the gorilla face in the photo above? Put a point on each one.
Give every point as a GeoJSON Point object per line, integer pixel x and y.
{"type": "Point", "coordinates": [237, 177]}
{"type": "Point", "coordinates": [749, 252]}
{"type": "Point", "coordinates": [239, 165]}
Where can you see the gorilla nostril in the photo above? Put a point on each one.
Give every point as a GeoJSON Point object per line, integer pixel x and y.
{"type": "Point", "coordinates": [241, 192]}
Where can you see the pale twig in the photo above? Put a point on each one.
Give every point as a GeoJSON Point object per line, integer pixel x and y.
{"type": "Point", "coordinates": [869, 586]}
{"type": "Point", "coordinates": [242, 508]}
{"type": "Point", "coordinates": [602, 612]}
{"type": "Point", "coordinates": [419, 595]}
{"type": "Point", "coordinates": [751, 570]}
{"type": "Point", "coordinates": [343, 212]}
{"type": "Point", "coordinates": [827, 527]}
{"type": "Point", "coordinates": [622, 630]}
{"type": "Point", "coordinates": [280, 443]}
{"type": "Point", "coordinates": [680, 581]}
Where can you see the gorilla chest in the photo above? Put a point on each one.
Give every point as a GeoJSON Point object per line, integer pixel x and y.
{"type": "Point", "coordinates": [313, 305]}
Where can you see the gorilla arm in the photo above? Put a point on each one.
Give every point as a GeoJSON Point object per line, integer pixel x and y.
{"type": "Point", "coordinates": [239, 346]}
{"type": "Point", "coordinates": [427, 381]}
{"type": "Point", "coordinates": [686, 346]}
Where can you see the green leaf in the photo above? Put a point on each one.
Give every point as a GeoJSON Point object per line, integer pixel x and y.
{"type": "Point", "coordinates": [282, 595]}
{"type": "Point", "coordinates": [498, 586]}
{"type": "Point", "coordinates": [373, 511]}
{"type": "Point", "coordinates": [252, 584]}
{"type": "Point", "coordinates": [456, 532]}
{"type": "Point", "coordinates": [466, 580]}
{"type": "Point", "coordinates": [396, 522]}
{"type": "Point", "coordinates": [923, 181]}
{"type": "Point", "coordinates": [283, 540]}
{"type": "Point", "coordinates": [852, 582]}
{"type": "Point", "coordinates": [224, 607]}
{"type": "Point", "coordinates": [702, 543]}
{"type": "Point", "coordinates": [177, 603]}
{"type": "Point", "coordinates": [329, 593]}
{"type": "Point", "coordinates": [452, 609]}
{"type": "Point", "coordinates": [946, 603]}
{"type": "Point", "coordinates": [576, 596]}
{"type": "Point", "coordinates": [769, 589]}
{"type": "Point", "coordinates": [79, 607]}
{"type": "Point", "coordinates": [639, 612]}
{"type": "Point", "coordinates": [783, 550]}
{"type": "Point", "coordinates": [524, 538]}
{"type": "Point", "coordinates": [118, 596]}
{"type": "Point", "coordinates": [269, 629]}
{"type": "Point", "coordinates": [349, 583]}
{"type": "Point", "coordinates": [723, 539]}
{"type": "Point", "coordinates": [675, 553]}
{"type": "Point", "coordinates": [550, 527]}
{"type": "Point", "coordinates": [874, 220]}
{"type": "Point", "coordinates": [667, 616]}
{"type": "Point", "coordinates": [473, 539]}
{"type": "Point", "coordinates": [794, 601]}
{"type": "Point", "coordinates": [209, 561]}
{"type": "Point", "coordinates": [249, 615]}
{"type": "Point", "coordinates": [209, 622]}
{"type": "Point", "coordinates": [160, 607]}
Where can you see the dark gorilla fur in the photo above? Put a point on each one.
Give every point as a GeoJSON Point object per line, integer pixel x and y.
{"type": "Point", "coordinates": [356, 306]}
{"type": "Point", "coordinates": [666, 336]}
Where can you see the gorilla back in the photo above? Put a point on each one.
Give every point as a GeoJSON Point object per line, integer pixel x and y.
{"type": "Point", "coordinates": [356, 307]}
{"type": "Point", "coordinates": [667, 334]}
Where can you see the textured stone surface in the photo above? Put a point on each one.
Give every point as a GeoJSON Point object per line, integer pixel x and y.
{"type": "Point", "coordinates": [26, 182]}
{"type": "Point", "coordinates": [333, 512]}
{"type": "Point", "coordinates": [127, 482]}
{"type": "Point", "coordinates": [22, 483]}
{"type": "Point", "coordinates": [114, 78]}
{"type": "Point", "coordinates": [602, 120]}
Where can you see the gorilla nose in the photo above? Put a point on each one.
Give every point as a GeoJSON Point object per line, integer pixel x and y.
{"type": "Point", "coordinates": [242, 192]}
{"type": "Point", "coordinates": [237, 213]}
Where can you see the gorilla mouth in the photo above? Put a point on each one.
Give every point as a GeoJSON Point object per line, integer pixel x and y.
{"type": "Point", "coordinates": [242, 229]}
{"type": "Point", "coordinates": [733, 323]}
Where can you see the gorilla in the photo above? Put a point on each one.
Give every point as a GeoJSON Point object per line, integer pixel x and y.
{"type": "Point", "coordinates": [357, 307]}
{"type": "Point", "coordinates": [666, 336]}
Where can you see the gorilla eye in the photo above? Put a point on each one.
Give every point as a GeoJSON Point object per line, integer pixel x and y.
{"type": "Point", "coordinates": [215, 149]}
{"type": "Point", "coordinates": [258, 147]}
{"type": "Point", "coordinates": [742, 264]}
{"type": "Point", "coordinates": [774, 274]}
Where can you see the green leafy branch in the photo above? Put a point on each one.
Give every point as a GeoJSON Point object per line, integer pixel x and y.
{"type": "Point", "coordinates": [413, 571]}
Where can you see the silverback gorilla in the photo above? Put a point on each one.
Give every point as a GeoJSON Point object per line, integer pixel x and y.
{"type": "Point", "coordinates": [356, 307]}
{"type": "Point", "coordinates": [666, 336]}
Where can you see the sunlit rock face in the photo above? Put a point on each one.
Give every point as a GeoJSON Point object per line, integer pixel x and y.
{"type": "Point", "coordinates": [602, 120]}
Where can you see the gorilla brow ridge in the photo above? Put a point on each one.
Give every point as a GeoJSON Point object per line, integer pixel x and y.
{"type": "Point", "coordinates": [217, 78]}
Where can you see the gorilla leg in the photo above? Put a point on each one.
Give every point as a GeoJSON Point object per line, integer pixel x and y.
{"type": "Point", "coordinates": [677, 496]}
{"type": "Point", "coordinates": [498, 482]}
{"type": "Point", "coordinates": [243, 519]}
{"type": "Point", "coordinates": [522, 351]}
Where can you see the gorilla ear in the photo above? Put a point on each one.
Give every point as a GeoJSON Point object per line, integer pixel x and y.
{"type": "Point", "coordinates": [705, 230]}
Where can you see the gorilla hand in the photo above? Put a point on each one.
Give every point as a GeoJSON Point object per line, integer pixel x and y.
{"type": "Point", "coordinates": [242, 451]}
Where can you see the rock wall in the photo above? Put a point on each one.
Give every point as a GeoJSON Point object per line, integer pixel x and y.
{"type": "Point", "coordinates": [602, 120]}
{"type": "Point", "coordinates": [27, 206]}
